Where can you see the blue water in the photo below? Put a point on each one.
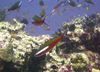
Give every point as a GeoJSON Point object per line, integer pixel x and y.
{"type": "Point", "coordinates": [55, 21]}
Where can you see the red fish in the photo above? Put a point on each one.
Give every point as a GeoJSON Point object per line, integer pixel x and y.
{"type": "Point", "coordinates": [72, 3]}
{"type": "Point", "coordinates": [38, 23]}
{"type": "Point", "coordinates": [49, 45]}
{"type": "Point", "coordinates": [56, 9]}
{"type": "Point", "coordinates": [15, 6]}
{"type": "Point", "coordinates": [41, 3]}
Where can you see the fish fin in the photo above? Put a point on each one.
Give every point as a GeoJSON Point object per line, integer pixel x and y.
{"type": "Point", "coordinates": [41, 51]}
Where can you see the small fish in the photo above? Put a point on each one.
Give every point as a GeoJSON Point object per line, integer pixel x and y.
{"type": "Point", "coordinates": [44, 25]}
{"type": "Point", "coordinates": [67, 8]}
{"type": "Point", "coordinates": [87, 8]}
{"type": "Point", "coordinates": [70, 9]}
{"type": "Point", "coordinates": [79, 5]}
{"type": "Point", "coordinates": [60, 14]}
{"type": "Point", "coordinates": [15, 6]}
{"type": "Point", "coordinates": [89, 1]}
{"type": "Point", "coordinates": [38, 21]}
{"type": "Point", "coordinates": [72, 3]}
{"type": "Point", "coordinates": [42, 3]}
{"type": "Point", "coordinates": [42, 13]}
{"type": "Point", "coordinates": [49, 45]}
{"type": "Point", "coordinates": [56, 9]}
{"type": "Point", "coordinates": [46, 6]}
{"type": "Point", "coordinates": [37, 18]}
{"type": "Point", "coordinates": [26, 14]}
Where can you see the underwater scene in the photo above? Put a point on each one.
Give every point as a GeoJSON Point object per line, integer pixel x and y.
{"type": "Point", "coordinates": [49, 35]}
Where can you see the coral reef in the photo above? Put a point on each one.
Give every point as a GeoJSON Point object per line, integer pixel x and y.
{"type": "Point", "coordinates": [79, 51]}
{"type": "Point", "coordinates": [16, 45]}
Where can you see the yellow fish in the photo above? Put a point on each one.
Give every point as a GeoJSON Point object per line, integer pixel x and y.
{"type": "Point", "coordinates": [44, 25]}
{"type": "Point", "coordinates": [70, 9]}
{"type": "Point", "coordinates": [87, 8]}
{"type": "Point", "coordinates": [26, 14]}
{"type": "Point", "coordinates": [46, 6]}
{"type": "Point", "coordinates": [46, 17]}
{"type": "Point", "coordinates": [79, 5]}
{"type": "Point", "coordinates": [60, 13]}
{"type": "Point", "coordinates": [67, 8]}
